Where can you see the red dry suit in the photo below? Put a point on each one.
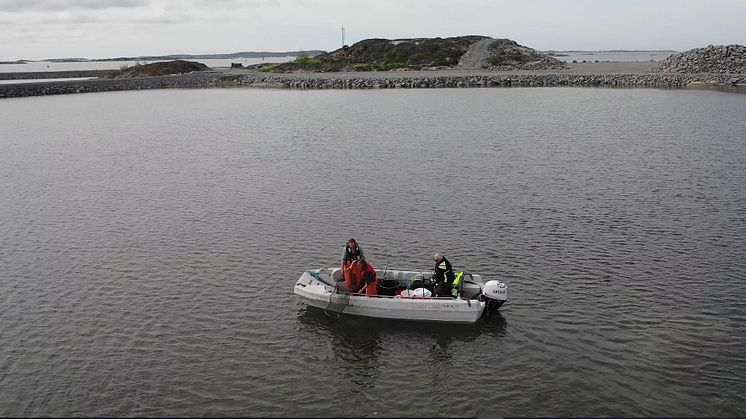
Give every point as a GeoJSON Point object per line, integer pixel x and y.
{"type": "Point", "coordinates": [369, 279]}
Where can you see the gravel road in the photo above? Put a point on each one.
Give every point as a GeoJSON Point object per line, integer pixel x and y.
{"type": "Point", "coordinates": [476, 53]}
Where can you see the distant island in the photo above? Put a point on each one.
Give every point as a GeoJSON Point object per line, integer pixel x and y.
{"type": "Point", "coordinates": [235, 55]}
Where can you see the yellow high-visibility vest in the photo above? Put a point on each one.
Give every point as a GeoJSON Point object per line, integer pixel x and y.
{"type": "Point", "coordinates": [456, 281]}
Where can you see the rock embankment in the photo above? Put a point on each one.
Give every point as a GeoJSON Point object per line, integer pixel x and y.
{"type": "Point", "coordinates": [379, 80]}
{"type": "Point", "coordinates": [488, 80]}
{"type": "Point", "coordinates": [721, 59]}
{"type": "Point", "coordinates": [109, 85]}
{"type": "Point", "coordinates": [59, 74]}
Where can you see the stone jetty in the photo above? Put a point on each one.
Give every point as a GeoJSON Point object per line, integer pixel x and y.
{"type": "Point", "coordinates": [420, 80]}
{"type": "Point", "coordinates": [59, 74]}
{"type": "Point", "coordinates": [382, 80]}
{"type": "Point", "coordinates": [108, 85]}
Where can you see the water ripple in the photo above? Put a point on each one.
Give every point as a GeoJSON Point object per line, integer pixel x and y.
{"type": "Point", "coordinates": [148, 253]}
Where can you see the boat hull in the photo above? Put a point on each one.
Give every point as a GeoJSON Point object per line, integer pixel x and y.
{"type": "Point", "coordinates": [319, 288]}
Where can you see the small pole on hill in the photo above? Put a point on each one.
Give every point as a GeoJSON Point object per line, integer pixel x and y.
{"type": "Point", "coordinates": [343, 36]}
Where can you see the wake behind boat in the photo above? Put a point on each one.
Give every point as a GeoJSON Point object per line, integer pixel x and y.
{"type": "Point", "coordinates": [403, 295]}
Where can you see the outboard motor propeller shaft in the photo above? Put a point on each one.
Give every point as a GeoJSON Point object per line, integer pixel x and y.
{"type": "Point", "coordinates": [495, 294]}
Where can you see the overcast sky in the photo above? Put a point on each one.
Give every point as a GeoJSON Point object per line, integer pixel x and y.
{"type": "Point", "coordinates": [37, 29]}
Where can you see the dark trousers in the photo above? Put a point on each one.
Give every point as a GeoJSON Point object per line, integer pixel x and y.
{"type": "Point", "coordinates": [443, 289]}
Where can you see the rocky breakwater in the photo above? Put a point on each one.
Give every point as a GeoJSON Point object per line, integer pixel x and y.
{"type": "Point", "coordinates": [151, 76]}
{"type": "Point", "coordinates": [722, 59]}
{"type": "Point", "coordinates": [385, 80]}
{"type": "Point", "coordinates": [713, 64]}
{"type": "Point", "coordinates": [59, 74]}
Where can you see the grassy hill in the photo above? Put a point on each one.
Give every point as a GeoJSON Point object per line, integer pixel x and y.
{"type": "Point", "coordinates": [384, 54]}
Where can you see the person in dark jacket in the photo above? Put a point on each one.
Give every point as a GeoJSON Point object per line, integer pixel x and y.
{"type": "Point", "coordinates": [443, 276]}
{"type": "Point", "coordinates": [368, 279]}
{"type": "Point", "coordinates": [350, 270]}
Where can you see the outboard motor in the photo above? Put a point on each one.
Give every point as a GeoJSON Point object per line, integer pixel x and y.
{"type": "Point", "coordinates": [495, 293]}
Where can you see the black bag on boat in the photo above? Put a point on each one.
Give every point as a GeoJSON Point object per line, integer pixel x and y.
{"type": "Point", "coordinates": [388, 287]}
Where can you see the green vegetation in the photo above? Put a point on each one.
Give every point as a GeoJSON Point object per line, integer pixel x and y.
{"type": "Point", "coordinates": [163, 68]}
{"type": "Point", "coordinates": [268, 68]}
{"type": "Point", "coordinates": [308, 63]}
{"type": "Point", "coordinates": [383, 54]}
{"type": "Point", "coordinates": [506, 57]}
{"type": "Point", "coordinates": [362, 67]}
{"type": "Point", "coordinates": [230, 78]}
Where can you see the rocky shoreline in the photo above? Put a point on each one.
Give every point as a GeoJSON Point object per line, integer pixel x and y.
{"type": "Point", "coordinates": [375, 80]}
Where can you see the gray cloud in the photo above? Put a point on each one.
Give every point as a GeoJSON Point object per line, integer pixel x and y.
{"type": "Point", "coordinates": [21, 13]}
{"type": "Point", "coordinates": [66, 5]}
{"type": "Point", "coordinates": [236, 4]}
{"type": "Point", "coordinates": [104, 28]}
{"type": "Point", "coordinates": [71, 18]}
{"type": "Point", "coordinates": [164, 19]}
{"type": "Point", "coordinates": [141, 18]}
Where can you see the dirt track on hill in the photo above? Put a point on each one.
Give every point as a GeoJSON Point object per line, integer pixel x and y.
{"type": "Point", "coordinates": [476, 54]}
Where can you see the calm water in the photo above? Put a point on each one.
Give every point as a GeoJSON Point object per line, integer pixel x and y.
{"type": "Point", "coordinates": [150, 242]}
{"type": "Point", "coordinates": [614, 56]}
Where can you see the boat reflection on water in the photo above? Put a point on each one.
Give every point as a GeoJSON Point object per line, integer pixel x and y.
{"type": "Point", "coordinates": [357, 338]}
{"type": "Point", "coordinates": [490, 324]}
{"type": "Point", "coordinates": [366, 350]}
{"type": "Point", "coordinates": [366, 357]}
